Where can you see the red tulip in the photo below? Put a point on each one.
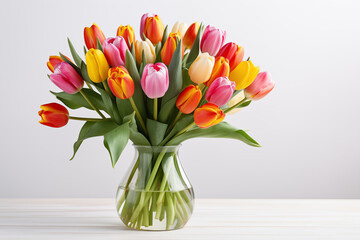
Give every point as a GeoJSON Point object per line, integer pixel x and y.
{"type": "Point", "coordinates": [53, 115]}
{"type": "Point", "coordinates": [91, 34]}
{"type": "Point", "coordinates": [233, 53]}
{"type": "Point", "coordinates": [189, 99]}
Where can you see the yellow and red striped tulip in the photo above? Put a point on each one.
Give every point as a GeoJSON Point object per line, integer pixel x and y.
{"type": "Point", "coordinates": [170, 46]}
{"type": "Point", "coordinates": [53, 115]}
{"type": "Point", "coordinates": [97, 65]}
{"type": "Point", "coordinates": [53, 60]}
{"type": "Point", "coordinates": [208, 115]}
{"type": "Point", "coordinates": [148, 49]}
{"type": "Point", "coordinates": [180, 28]}
{"type": "Point", "coordinates": [244, 74]}
{"type": "Point", "coordinates": [233, 53]}
{"type": "Point", "coordinates": [261, 86]}
{"type": "Point", "coordinates": [127, 32]}
{"type": "Point", "coordinates": [120, 82]}
{"type": "Point", "coordinates": [221, 69]}
{"type": "Point", "coordinates": [189, 99]}
{"type": "Point", "coordinates": [91, 34]}
{"type": "Point", "coordinates": [200, 70]}
{"type": "Point", "coordinates": [190, 35]}
{"type": "Point", "coordinates": [152, 27]}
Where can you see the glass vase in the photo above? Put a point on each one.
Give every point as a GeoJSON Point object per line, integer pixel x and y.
{"type": "Point", "coordinates": [155, 194]}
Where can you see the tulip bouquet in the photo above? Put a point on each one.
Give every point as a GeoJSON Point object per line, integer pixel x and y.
{"type": "Point", "coordinates": [157, 91]}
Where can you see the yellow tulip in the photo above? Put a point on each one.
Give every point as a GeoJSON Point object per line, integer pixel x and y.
{"type": "Point", "coordinates": [180, 28]}
{"type": "Point", "coordinates": [148, 48]}
{"type": "Point", "coordinates": [200, 70]}
{"type": "Point", "coordinates": [97, 65]}
{"type": "Point", "coordinates": [244, 74]}
{"type": "Point", "coordinates": [235, 100]}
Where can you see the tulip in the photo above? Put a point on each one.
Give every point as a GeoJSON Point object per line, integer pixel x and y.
{"type": "Point", "coordinates": [235, 100]}
{"type": "Point", "coordinates": [155, 80]}
{"type": "Point", "coordinates": [189, 99]}
{"type": "Point", "coordinates": [244, 74]}
{"type": "Point", "coordinates": [152, 27]}
{"type": "Point", "coordinates": [91, 34]}
{"type": "Point", "coordinates": [260, 87]}
{"type": "Point", "coordinates": [97, 65]}
{"type": "Point", "coordinates": [233, 53]}
{"type": "Point", "coordinates": [221, 69]}
{"type": "Point", "coordinates": [200, 70]}
{"type": "Point", "coordinates": [53, 115]}
{"type": "Point", "coordinates": [67, 78]}
{"type": "Point", "coordinates": [53, 60]}
{"type": "Point", "coordinates": [212, 40]}
{"type": "Point", "coordinates": [220, 91]}
{"type": "Point", "coordinates": [148, 49]}
{"type": "Point", "coordinates": [120, 82]}
{"type": "Point", "coordinates": [127, 32]}
{"type": "Point", "coordinates": [190, 35]}
{"type": "Point", "coordinates": [208, 115]}
{"type": "Point", "coordinates": [180, 28]}
{"type": "Point", "coordinates": [169, 47]}
{"type": "Point", "coordinates": [115, 50]}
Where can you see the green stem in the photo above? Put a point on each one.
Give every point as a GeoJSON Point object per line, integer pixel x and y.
{"type": "Point", "coordinates": [235, 106]}
{"type": "Point", "coordinates": [155, 108]}
{"type": "Point", "coordinates": [138, 115]}
{"type": "Point", "coordinates": [184, 129]}
{"type": "Point", "coordinates": [89, 86]}
{"type": "Point", "coordinates": [203, 92]}
{"type": "Point", "coordinates": [173, 123]}
{"type": "Point", "coordinates": [92, 105]}
{"type": "Point", "coordinates": [88, 119]}
{"type": "Point", "coordinates": [107, 89]}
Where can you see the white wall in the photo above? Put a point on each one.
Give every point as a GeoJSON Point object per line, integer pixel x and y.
{"type": "Point", "coordinates": [309, 126]}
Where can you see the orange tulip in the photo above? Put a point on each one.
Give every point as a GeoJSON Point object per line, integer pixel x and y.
{"type": "Point", "coordinates": [120, 82]}
{"type": "Point", "coordinates": [170, 46]}
{"type": "Point", "coordinates": [233, 52]}
{"type": "Point", "coordinates": [152, 27]}
{"type": "Point", "coordinates": [190, 35]}
{"type": "Point", "coordinates": [221, 69]}
{"type": "Point", "coordinates": [127, 32]}
{"type": "Point", "coordinates": [208, 115]}
{"type": "Point", "coordinates": [189, 99]}
{"type": "Point", "coordinates": [53, 115]}
{"type": "Point", "coordinates": [91, 34]}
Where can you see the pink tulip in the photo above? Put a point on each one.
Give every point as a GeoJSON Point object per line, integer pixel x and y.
{"type": "Point", "coordinates": [260, 87]}
{"type": "Point", "coordinates": [155, 80]}
{"type": "Point", "coordinates": [220, 91]}
{"type": "Point", "coordinates": [143, 22]}
{"type": "Point", "coordinates": [67, 78]}
{"type": "Point", "coordinates": [115, 50]}
{"type": "Point", "coordinates": [213, 39]}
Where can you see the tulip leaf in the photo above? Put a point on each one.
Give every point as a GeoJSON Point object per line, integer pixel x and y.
{"type": "Point", "coordinates": [143, 63]}
{"type": "Point", "coordinates": [115, 141]}
{"type": "Point", "coordinates": [175, 75]}
{"type": "Point", "coordinates": [108, 103]}
{"type": "Point", "coordinates": [156, 131]}
{"type": "Point", "coordinates": [130, 65]}
{"type": "Point", "coordinates": [186, 78]}
{"type": "Point", "coordinates": [93, 129]}
{"type": "Point", "coordinates": [76, 56]}
{"type": "Point", "coordinates": [181, 124]}
{"type": "Point", "coordinates": [165, 35]}
{"type": "Point", "coordinates": [85, 50]}
{"type": "Point", "coordinates": [135, 136]}
{"type": "Point", "coordinates": [124, 107]}
{"type": "Point", "coordinates": [221, 130]}
{"type": "Point", "coordinates": [84, 73]}
{"type": "Point", "coordinates": [194, 52]}
{"type": "Point", "coordinates": [244, 104]}
{"type": "Point", "coordinates": [75, 101]}
{"type": "Point", "coordinates": [71, 63]}
{"type": "Point", "coordinates": [167, 109]}
{"type": "Point", "coordinates": [99, 45]}
{"type": "Point", "coordinates": [132, 48]}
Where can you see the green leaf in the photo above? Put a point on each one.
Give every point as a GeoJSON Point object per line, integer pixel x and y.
{"type": "Point", "coordinates": [158, 52]}
{"type": "Point", "coordinates": [221, 130]}
{"type": "Point", "coordinates": [93, 129]}
{"type": "Point", "coordinates": [156, 131]}
{"type": "Point", "coordinates": [165, 35]}
{"type": "Point", "coordinates": [74, 54]}
{"type": "Point", "coordinates": [84, 73]}
{"type": "Point", "coordinates": [167, 109]}
{"type": "Point", "coordinates": [143, 64]}
{"type": "Point", "coordinates": [194, 52]}
{"type": "Point", "coordinates": [185, 59]}
{"type": "Point", "coordinates": [135, 136]}
{"type": "Point", "coordinates": [99, 45]}
{"type": "Point", "coordinates": [85, 50]}
{"type": "Point", "coordinates": [69, 62]}
{"type": "Point", "coordinates": [186, 78]}
{"type": "Point", "coordinates": [108, 103]}
{"type": "Point", "coordinates": [181, 124]}
{"type": "Point", "coordinates": [124, 107]}
{"type": "Point", "coordinates": [75, 101]}
{"type": "Point", "coordinates": [130, 65]}
{"type": "Point", "coordinates": [115, 141]}
{"type": "Point", "coordinates": [132, 48]}
{"type": "Point", "coordinates": [244, 104]}
{"type": "Point", "coordinates": [175, 75]}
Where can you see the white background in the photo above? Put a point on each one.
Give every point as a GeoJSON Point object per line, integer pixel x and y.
{"type": "Point", "coordinates": [309, 126]}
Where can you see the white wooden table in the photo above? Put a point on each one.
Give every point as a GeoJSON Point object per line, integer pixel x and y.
{"type": "Point", "coordinates": [212, 219]}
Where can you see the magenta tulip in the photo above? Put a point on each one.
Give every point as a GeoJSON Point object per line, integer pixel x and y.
{"type": "Point", "coordinates": [115, 50]}
{"type": "Point", "coordinates": [213, 39]}
{"type": "Point", "coordinates": [155, 80]}
{"type": "Point", "coordinates": [260, 87]}
{"type": "Point", "coordinates": [220, 91]}
{"type": "Point", "coordinates": [67, 78]}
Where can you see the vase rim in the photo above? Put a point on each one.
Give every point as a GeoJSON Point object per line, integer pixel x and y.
{"type": "Point", "coordinates": [157, 146]}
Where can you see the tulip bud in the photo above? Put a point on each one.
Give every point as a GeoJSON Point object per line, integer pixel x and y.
{"type": "Point", "coordinates": [180, 28]}
{"type": "Point", "coordinates": [115, 50]}
{"type": "Point", "coordinates": [53, 115]}
{"type": "Point", "coordinates": [233, 53]}
{"type": "Point", "coordinates": [221, 69]}
{"type": "Point", "coordinates": [155, 80]}
{"type": "Point", "coordinates": [212, 40]}
{"type": "Point", "coordinates": [220, 91]}
{"type": "Point", "coordinates": [189, 99]}
{"type": "Point", "coordinates": [190, 35]}
{"type": "Point", "coordinates": [120, 82]}
{"type": "Point", "coordinates": [208, 115]}
{"type": "Point", "coordinates": [169, 47]}
{"type": "Point", "coordinates": [91, 34]}
{"type": "Point", "coordinates": [200, 70]}
{"type": "Point", "coordinates": [244, 74]}
{"type": "Point", "coordinates": [148, 49]}
{"type": "Point", "coordinates": [235, 100]}
{"type": "Point", "coordinates": [152, 27]}
{"type": "Point", "coordinates": [67, 78]}
{"type": "Point", "coordinates": [97, 65]}
{"type": "Point", "coordinates": [260, 87]}
{"type": "Point", "coordinates": [53, 60]}
{"type": "Point", "coordinates": [127, 32]}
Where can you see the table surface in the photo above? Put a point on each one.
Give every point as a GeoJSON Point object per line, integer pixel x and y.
{"type": "Point", "coordinates": [212, 219]}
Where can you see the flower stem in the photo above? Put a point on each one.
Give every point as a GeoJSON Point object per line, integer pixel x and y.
{"type": "Point", "coordinates": [91, 104]}
{"type": "Point", "coordinates": [155, 108]}
{"type": "Point", "coordinates": [138, 115]}
{"type": "Point", "coordinates": [88, 119]}
{"type": "Point", "coordinates": [173, 123]}
{"type": "Point", "coordinates": [184, 129]}
{"type": "Point", "coordinates": [106, 87]}
{"type": "Point", "coordinates": [235, 106]}
{"type": "Point", "coordinates": [89, 86]}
